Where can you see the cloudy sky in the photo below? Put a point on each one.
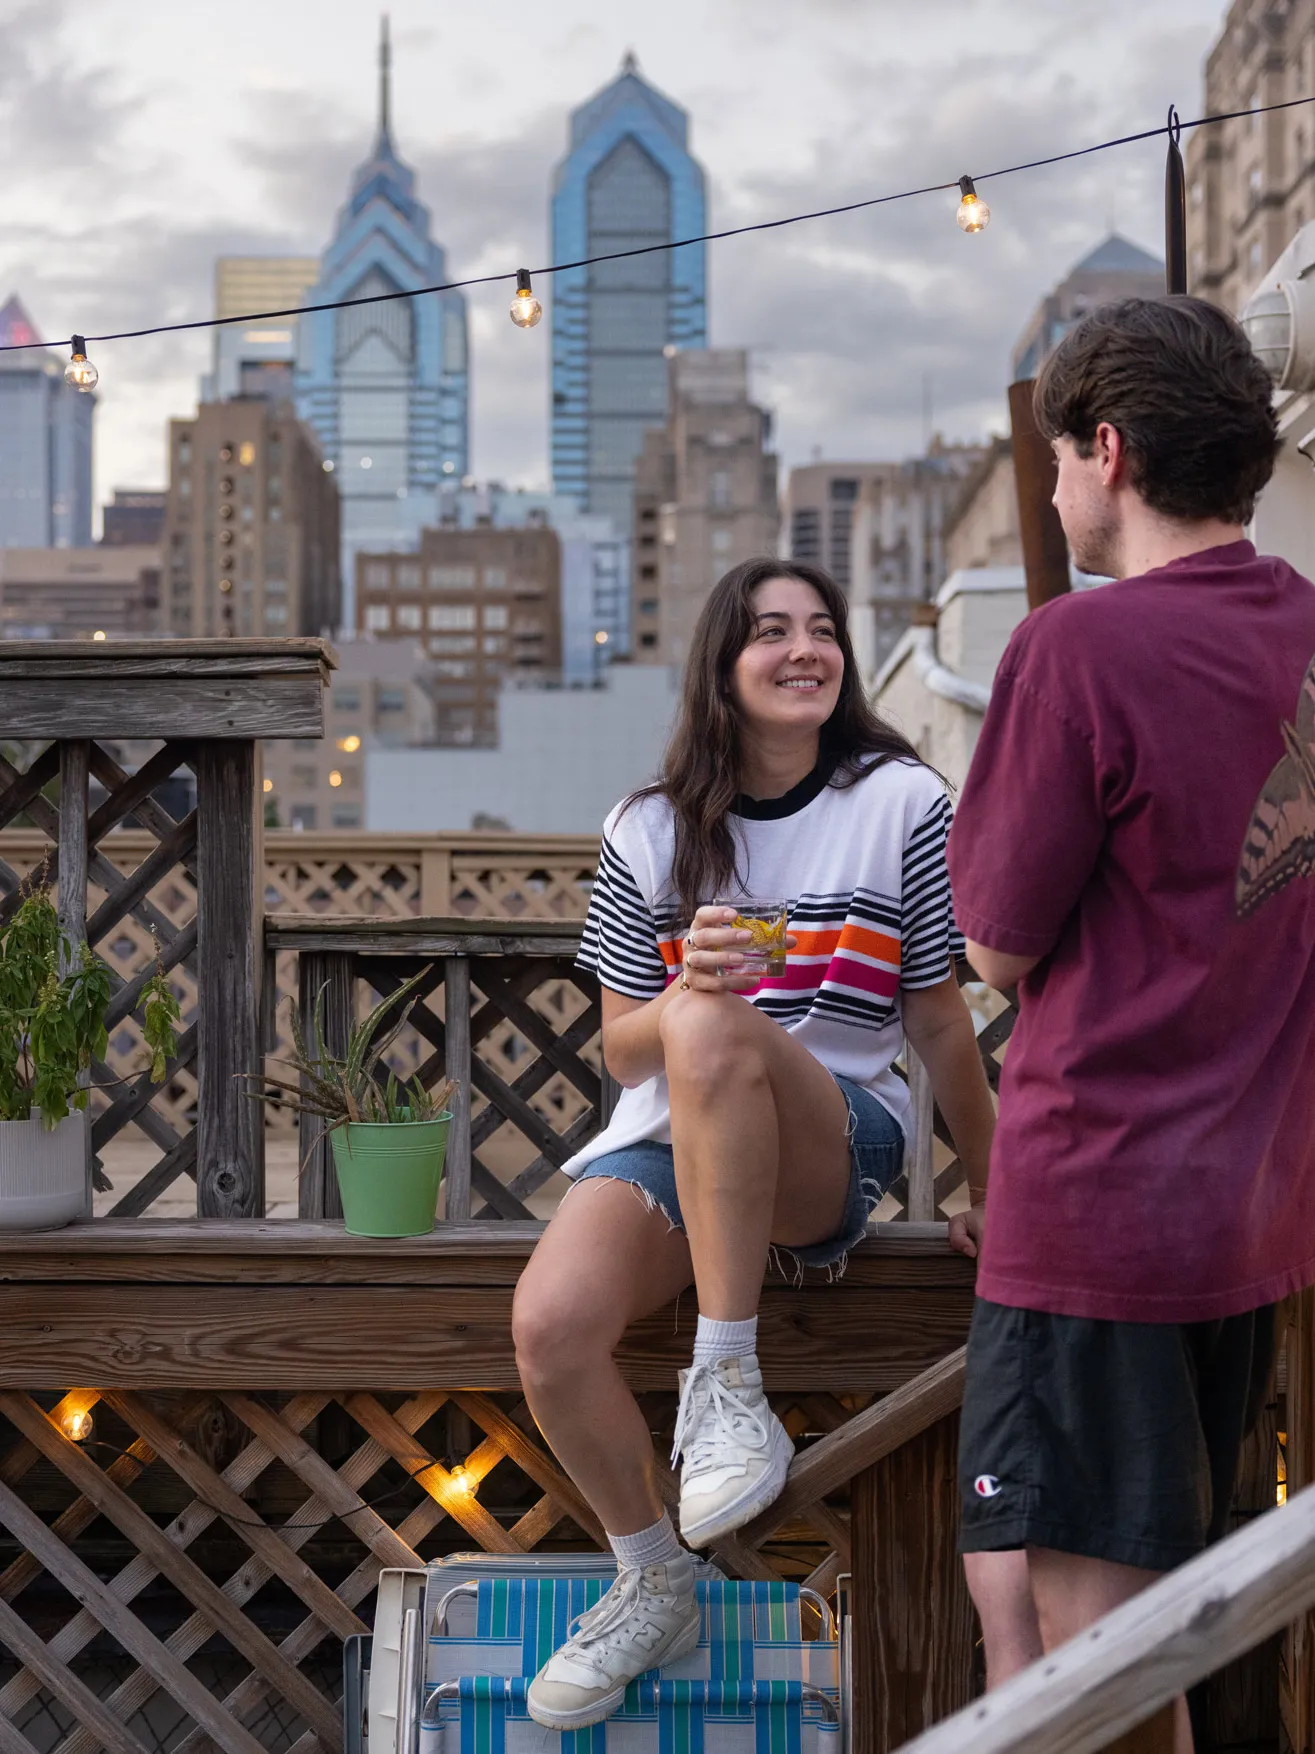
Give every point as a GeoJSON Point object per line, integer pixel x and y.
{"type": "Point", "coordinates": [145, 137]}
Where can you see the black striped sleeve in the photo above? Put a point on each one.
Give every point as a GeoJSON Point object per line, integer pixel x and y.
{"type": "Point", "coordinates": [620, 943]}
{"type": "Point", "coordinates": [929, 939]}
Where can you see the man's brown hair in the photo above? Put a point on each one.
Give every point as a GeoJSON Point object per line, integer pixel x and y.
{"type": "Point", "coordinates": [1178, 380]}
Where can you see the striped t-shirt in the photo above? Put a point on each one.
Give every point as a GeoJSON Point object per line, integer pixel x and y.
{"type": "Point", "coordinates": [863, 868]}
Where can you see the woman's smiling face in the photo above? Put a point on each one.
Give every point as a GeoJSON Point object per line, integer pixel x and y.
{"type": "Point", "coordinates": [789, 674]}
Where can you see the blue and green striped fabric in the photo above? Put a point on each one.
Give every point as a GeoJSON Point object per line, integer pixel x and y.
{"type": "Point", "coordinates": [691, 1717]}
{"type": "Point", "coordinates": [536, 1612]}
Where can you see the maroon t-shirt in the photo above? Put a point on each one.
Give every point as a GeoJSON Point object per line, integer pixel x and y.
{"type": "Point", "coordinates": [1140, 814]}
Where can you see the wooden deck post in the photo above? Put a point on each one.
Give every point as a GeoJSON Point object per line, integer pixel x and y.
{"type": "Point", "coordinates": [914, 1627]}
{"type": "Point", "coordinates": [74, 771]}
{"type": "Point", "coordinates": [230, 1174]}
{"type": "Point", "coordinates": [456, 1030]}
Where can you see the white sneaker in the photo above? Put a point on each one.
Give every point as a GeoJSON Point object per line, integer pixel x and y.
{"type": "Point", "coordinates": [647, 1618]}
{"type": "Point", "coordinates": [737, 1452]}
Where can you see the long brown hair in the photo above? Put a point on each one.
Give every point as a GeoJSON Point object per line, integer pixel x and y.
{"type": "Point", "coordinates": [701, 769]}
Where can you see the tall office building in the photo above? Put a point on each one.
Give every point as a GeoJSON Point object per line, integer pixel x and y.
{"type": "Point", "coordinates": [1114, 269]}
{"type": "Point", "coordinates": [257, 359]}
{"type": "Point", "coordinates": [251, 530]}
{"type": "Point", "coordinates": [705, 498]}
{"type": "Point", "coordinates": [627, 182]}
{"type": "Point", "coordinates": [1251, 180]}
{"type": "Point", "coordinates": [385, 386]}
{"type": "Point", "coordinates": [45, 444]}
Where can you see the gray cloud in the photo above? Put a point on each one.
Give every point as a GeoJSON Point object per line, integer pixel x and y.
{"type": "Point", "coordinates": [846, 317]}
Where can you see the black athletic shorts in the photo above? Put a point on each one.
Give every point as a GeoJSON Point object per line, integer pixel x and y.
{"type": "Point", "coordinates": [1115, 1440]}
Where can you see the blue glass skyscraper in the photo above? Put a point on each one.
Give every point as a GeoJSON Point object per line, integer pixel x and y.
{"type": "Point", "coordinates": [385, 386]}
{"type": "Point", "coordinates": [628, 181]}
{"type": "Point", "coordinates": [45, 444]}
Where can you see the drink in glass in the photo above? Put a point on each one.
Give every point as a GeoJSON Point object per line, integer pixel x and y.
{"type": "Point", "coordinates": [768, 921]}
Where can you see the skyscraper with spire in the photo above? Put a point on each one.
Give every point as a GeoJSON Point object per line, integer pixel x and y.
{"type": "Point", "coordinates": [628, 181]}
{"type": "Point", "coordinates": [385, 386]}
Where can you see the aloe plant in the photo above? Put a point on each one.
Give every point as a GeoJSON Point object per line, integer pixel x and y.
{"type": "Point", "coordinates": [344, 1089]}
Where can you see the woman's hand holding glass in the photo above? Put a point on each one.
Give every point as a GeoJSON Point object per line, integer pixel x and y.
{"type": "Point", "coordinates": [715, 951]}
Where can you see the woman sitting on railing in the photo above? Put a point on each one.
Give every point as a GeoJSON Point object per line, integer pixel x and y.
{"type": "Point", "coordinates": [744, 1129]}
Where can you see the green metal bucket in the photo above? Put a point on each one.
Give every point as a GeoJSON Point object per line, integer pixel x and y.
{"type": "Point", "coordinates": [389, 1174]}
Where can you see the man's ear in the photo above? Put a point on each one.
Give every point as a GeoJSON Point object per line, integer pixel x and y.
{"type": "Point", "coordinates": [1112, 454]}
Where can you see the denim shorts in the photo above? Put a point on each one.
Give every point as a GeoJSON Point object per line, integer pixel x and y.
{"type": "Point", "coordinates": [876, 1155]}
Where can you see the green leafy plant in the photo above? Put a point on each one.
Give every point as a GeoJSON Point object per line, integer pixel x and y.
{"type": "Point", "coordinates": [347, 1088]}
{"type": "Point", "coordinates": [52, 1025]}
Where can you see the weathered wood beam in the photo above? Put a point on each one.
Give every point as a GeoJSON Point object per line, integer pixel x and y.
{"type": "Point", "coordinates": [1131, 1664]}
{"type": "Point", "coordinates": [230, 1175]}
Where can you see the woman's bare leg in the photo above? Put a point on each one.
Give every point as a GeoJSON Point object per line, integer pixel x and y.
{"type": "Point", "coordinates": [604, 1261]}
{"type": "Point", "coordinates": [759, 1130]}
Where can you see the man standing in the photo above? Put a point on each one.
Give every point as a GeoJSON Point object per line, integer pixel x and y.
{"type": "Point", "coordinates": [1134, 849]}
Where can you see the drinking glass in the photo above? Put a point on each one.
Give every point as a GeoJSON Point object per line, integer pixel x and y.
{"type": "Point", "coordinates": [769, 922]}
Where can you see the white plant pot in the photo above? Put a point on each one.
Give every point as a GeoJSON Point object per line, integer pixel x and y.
{"type": "Point", "coordinates": [43, 1173]}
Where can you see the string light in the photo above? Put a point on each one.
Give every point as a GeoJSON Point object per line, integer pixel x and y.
{"type": "Point", "coordinates": [80, 373]}
{"type": "Point", "coordinates": [525, 308]}
{"type": "Point", "coordinates": [77, 1424]}
{"type": "Point", "coordinates": [973, 214]}
{"type": "Point", "coordinates": [981, 213]}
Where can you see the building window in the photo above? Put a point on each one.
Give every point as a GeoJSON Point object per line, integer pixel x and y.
{"type": "Point", "coordinates": [495, 615]}
{"type": "Point", "coordinates": [453, 644]}
{"type": "Point", "coordinates": [648, 573]}
{"type": "Point", "coordinates": [1254, 256]}
{"type": "Point", "coordinates": [719, 489]}
{"type": "Point", "coordinates": [377, 575]}
{"type": "Point", "coordinates": [495, 578]}
{"type": "Point", "coordinates": [391, 700]}
{"type": "Point", "coordinates": [276, 613]}
{"type": "Point", "coordinates": [648, 605]}
{"type": "Point", "coordinates": [494, 645]}
{"type": "Point", "coordinates": [721, 541]}
{"type": "Point", "coordinates": [843, 490]}
{"type": "Point", "coordinates": [408, 617]}
{"type": "Point", "coordinates": [454, 667]}
{"type": "Point", "coordinates": [648, 641]}
{"type": "Point", "coordinates": [452, 616]}
{"type": "Point", "coordinates": [345, 816]}
{"type": "Point", "coordinates": [346, 700]}
{"type": "Point", "coordinates": [378, 617]}
{"type": "Point", "coordinates": [304, 774]}
{"type": "Point", "coordinates": [452, 578]}
{"type": "Point", "coordinates": [408, 576]}
{"type": "Point", "coordinates": [806, 534]}
{"type": "Point", "coordinates": [302, 816]}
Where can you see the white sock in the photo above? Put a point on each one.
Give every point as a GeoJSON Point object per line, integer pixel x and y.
{"type": "Point", "coordinates": [714, 1340]}
{"type": "Point", "coordinates": [655, 1545]}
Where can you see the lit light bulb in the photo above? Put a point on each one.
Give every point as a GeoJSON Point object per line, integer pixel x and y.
{"type": "Point", "coordinates": [77, 1424]}
{"type": "Point", "coordinates": [99, 633]}
{"type": "Point", "coordinates": [600, 638]}
{"type": "Point", "coordinates": [351, 743]}
{"type": "Point", "coordinates": [525, 308]}
{"type": "Point", "coordinates": [460, 1479]}
{"type": "Point", "coordinates": [267, 785]}
{"type": "Point", "coordinates": [973, 214]}
{"type": "Point", "coordinates": [80, 373]}
{"type": "Point", "coordinates": [335, 779]}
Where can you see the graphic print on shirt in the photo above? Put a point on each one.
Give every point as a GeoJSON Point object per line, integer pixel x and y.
{"type": "Point", "coordinates": [1280, 842]}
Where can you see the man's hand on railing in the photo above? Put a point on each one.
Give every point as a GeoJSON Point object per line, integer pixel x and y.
{"type": "Point", "coordinates": [966, 1231]}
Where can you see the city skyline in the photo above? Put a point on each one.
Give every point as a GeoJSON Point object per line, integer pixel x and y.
{"type": "Point", "coordinates": [846, 319]}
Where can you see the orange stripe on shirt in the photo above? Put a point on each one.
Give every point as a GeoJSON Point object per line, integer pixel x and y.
{"type": "Point", "coordinates": [869, 943]}
{"type": "Point", "coordinates": [815, 943]}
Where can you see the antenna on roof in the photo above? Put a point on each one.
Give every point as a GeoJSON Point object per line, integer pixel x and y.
{"type": "Point", "coordinates": [629, 62]}
{"type": "Point", "coordinates": [385, 84]}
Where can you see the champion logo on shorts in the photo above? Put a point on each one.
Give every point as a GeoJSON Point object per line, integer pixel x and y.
{"type": "Point", "coordinates": [987, 1486]}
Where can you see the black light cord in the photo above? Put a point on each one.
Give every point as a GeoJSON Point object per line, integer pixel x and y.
{"type": "Point", "coordinates": [1172, 128]}
{"type": "Point", "coordinates": [338, 1516]}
